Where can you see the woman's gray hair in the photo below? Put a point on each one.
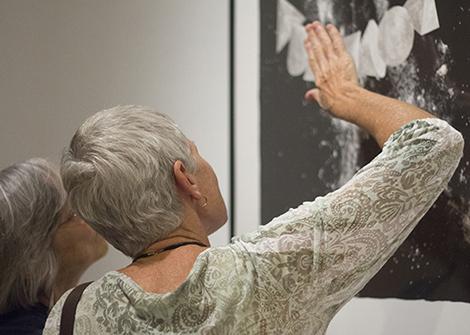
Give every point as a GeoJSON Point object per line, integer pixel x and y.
{"type": "Point", "coordinates": [31, 198]}
{"type": "Point", "coordinates": [118, 173]}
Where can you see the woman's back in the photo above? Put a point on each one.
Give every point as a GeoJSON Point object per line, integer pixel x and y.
{"type": "Point", "coordinates": [222, 295]}
{"type": "Point", "coordinates": [295, 273]}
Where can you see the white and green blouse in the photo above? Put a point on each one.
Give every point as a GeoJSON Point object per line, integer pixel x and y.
{"type": "Point", "coordinates": [292, 275]}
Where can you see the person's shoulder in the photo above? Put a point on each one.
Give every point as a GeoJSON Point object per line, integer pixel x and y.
{"type": "Point", "coordinates": [222, 267]}
{"type": "Point", "coordinates": [217, 256]}
{"type": "Point", "coordinates": [101, 288]}
{"type": "Point", "coordinates": [113, 283]}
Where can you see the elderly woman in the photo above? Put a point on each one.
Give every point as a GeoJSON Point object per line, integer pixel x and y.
{"type": "Point", "coordinates": [44, 248]}
{"type": "Point", "coordinates": [135, 177]}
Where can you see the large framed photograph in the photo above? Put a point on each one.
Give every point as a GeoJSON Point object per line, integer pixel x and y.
{"type": "Point", "coordinates": [288, 151]}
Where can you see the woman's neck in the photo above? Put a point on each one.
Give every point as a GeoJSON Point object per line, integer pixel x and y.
{"type": "Point", "coordinates": [190, 230]}
{"type": "Point", "coordinates": [175, 240]}
{"type": "Point", "coordinates": [164, 272]}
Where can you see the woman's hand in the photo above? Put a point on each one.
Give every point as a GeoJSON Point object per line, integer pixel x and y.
{"type": "Point", "coordinates": [333, 67]}
{"type": "Point", "coordinates": [339, 92]}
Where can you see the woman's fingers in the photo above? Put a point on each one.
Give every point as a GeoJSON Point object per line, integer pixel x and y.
{"type": "Point", "coordinates": [325, 40]}
{"type": "Point", "coordinates": [315, 95]}
{"type": "Point", "coordinates": [316, 53]}
{"type": "Point", "coordinates": [337, 40]}
{"type": "Point", "coordinates": [310, 54]}
{"type": "Point", "coordinates": [311, 57]}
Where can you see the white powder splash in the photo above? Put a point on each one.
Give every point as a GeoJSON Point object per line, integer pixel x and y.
{"type": "Point", "coordinates": [442, 47]}
{"type": "Point", "coordinates": [464, 214]}
{"type": "Point", "coordinates": [443, 70]}
{"type": "Point", "coordinates": [407, 84]}
{"type": "Point", "coordinates": [466, 227]}
{"type": "Point", "coordinates": [348, 139]}
{"type": "Point", "coordinates": [348, 135]}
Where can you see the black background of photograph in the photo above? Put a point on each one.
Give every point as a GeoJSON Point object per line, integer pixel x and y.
{"type": "Point", "coordinates": [434, 262]}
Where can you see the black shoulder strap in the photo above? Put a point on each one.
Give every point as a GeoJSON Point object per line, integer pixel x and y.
{"type": "Point", "coordinates": [67, 319]}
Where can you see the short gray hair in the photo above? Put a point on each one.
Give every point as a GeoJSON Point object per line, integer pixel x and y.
{"type": "Point", "coordinates": [118, 172]}
{"type": "Point", "coordinates": [31, 198]}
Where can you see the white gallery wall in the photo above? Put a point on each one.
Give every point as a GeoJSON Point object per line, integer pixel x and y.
{"type": "Point", "coordinates": [361, 316]}
{"type": "Point", "coordinates": [63, 60]}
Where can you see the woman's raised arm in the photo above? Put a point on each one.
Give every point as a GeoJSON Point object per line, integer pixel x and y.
{"type": "Point", "coordinates": [338, 90]}
{"type": "Point", "coordinates": [318, 256]}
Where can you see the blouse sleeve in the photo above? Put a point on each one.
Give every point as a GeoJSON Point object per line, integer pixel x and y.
{"type": "Point", "coordinates": [330, 248]}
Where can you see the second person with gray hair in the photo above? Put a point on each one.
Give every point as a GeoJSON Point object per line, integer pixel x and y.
{"type": "Point", "coordinates": [44, 247]}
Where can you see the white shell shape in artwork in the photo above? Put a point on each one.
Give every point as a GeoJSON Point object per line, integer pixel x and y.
{"type": "Point", "coordinates": [423, 15]}
{"type": "Point", "coordinates": [396, 36]}
{"type": "Point", "coordinates": [371, 63]}
{"type": "Point", "coordinates": [297, 61]}
{"type": "Point", "coordinates": [287, 17]}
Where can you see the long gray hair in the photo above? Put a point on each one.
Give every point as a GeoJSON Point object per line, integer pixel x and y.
{"type": "Point", "coordinates": [31, 197]}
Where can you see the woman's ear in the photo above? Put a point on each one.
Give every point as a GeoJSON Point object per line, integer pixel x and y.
{"type": "Point", "coordinates": [185, 181]}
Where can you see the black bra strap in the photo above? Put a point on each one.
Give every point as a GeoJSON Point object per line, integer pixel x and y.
{"type": "Point", "coordinates": [69, 309]}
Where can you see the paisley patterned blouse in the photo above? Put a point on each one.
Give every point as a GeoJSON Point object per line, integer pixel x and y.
{"type": "Point", "coordinates": [294, 274]}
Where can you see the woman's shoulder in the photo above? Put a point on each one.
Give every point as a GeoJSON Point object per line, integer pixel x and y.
{"type": "Point", "coordinates": [109, 288]}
